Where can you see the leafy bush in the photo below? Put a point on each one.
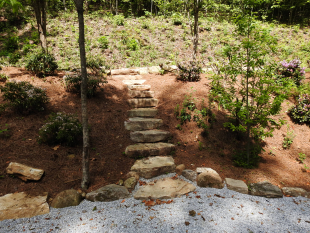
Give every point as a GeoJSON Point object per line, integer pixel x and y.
{"type": "Point", "coordinates": [73, 84]}
{"type": "Point", "coordinates": [292, 70]}
{"type": "Point", "coordinates": [103, 41]}
{"type": "Point", "coordinates": [301, 111]}
{"type": "Point", "coordinates": [132, 44]}
{"type": "Point", "coordinates": [14, 57]}
{"type": "Point", "coordinates": [119, 20]}
{"type": "Point", "coordinates": [3, 77]}
{"type": "Point", "coordinates": [61, 128]}
{"type": "Point", "coordinates": [189, 71]}
{"type": "Point", "coordinates": [42, 64]}
{"type": "Point", "coordinates": [24, 97]}
{"type": "Point", "coordinates": [11, 44]}
{"type": "Point", "coordinates": [177, 19]}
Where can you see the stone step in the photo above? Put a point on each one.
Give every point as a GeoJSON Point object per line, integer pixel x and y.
{"type": "Point", "coordinates": [154, 166]}
{"type": "Point", "coordinates": [149, 149]}
{"type": "Point", "coordinates": [139, 87]}
{"type": "Point", "coordinates": [134, 82]}
{"type": "Point", "coordinates": [124, 71]}
{"type": "Point", "coordinates": [138, 123]}
{"type": "Point", "coordinates": [142, 112]}
{"type": "Point", "coordinates": [154, 135]}
{"type": "Point", "coordinates": [143, 102]}
{"type": "Point", "coordinates": [127, 77]}
{"type": "Point", "coordinates": [141, 94]}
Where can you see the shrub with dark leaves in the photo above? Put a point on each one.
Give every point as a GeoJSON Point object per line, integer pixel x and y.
{"type": "Point", "coordinates": [42, 64]}
{"type": "Point", "coordinates": [189, 71]}
{"type": "Point", "coordinates": [301, 112]}
{"type": "Point", "coordinates": [61, 129]}
{"type": "Point", "coordinates": [292, 70]}
{"type": "Point", "coordinates": [24, 96]}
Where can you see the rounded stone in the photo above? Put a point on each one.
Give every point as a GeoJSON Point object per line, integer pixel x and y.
{"type": "Point", "coordinates": [67, 198]}
{"type": "Point", "coordinates": [210, 179]}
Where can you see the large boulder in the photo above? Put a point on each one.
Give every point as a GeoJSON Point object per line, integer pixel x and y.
{"type": "Point", "coordinates": [154, 166]}
{"type": "Point", "coordinates": [265, 189]}
{"type": "Point", "coordinates": [21, 205]}
{"type": "Point", "coordinates": [295, 192]}
{"type": "Point", "coordinates": [109, 192]}
{"type": "Point", "coordinates": [130, 183]}
{"type": "Point", "coordinates": [24, 172]}
{"type": "Point", "coordinates": [210, 178]}
{"type": "Point", "coordinates": [165, 188]}
{"type": "Point", "coordinates": [67, 198]}
{"type": "Point", "coordinates": [236, 185]}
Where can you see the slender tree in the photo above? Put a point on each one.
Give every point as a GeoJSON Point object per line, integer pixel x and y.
{"type": "Point", "coordinates": [39, 7]}
{"type": "Point", "coordinates": [85, 156]}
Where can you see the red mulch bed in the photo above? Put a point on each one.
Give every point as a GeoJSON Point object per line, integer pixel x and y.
{"type": "Point", "coordinates": [108, 137]}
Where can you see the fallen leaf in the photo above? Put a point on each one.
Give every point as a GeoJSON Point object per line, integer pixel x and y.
{"type": "Point", "coordinates": [260, 213]}
{"type": "Point", "coordinates": [197, 196]}
{"type": "Point", "coordinates": [151, 217]}
{"type": "Point", "coordinates": [211, 204]}
{"type": "Point", "coordinates": [91, 219]}
{"type": "Point", "coordinates": [56, 147]}
{"type": "Point", "coordinates": [199, 214]}
{"type": "Point", "coordinates": [232, 219]}
{"type": "Point", "coordinates": [123, 201]}
{"type": "Point", "coordinates": [149, 203]}
{"type": "Point", "coordinates": [187, 223]}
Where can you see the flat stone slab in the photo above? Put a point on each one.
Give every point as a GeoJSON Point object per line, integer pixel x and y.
{"type": "Point", "coordinates": [109, 192]}
{"type": "Point", "coordinates": [149, 149]}
{"type": "Point", "coordinates": [154, 69]}
{"type": "Point", "coordinates": [137, 123]}
{"type": "Point", "coordinates": [21, 205]}
{"type": "Point", "coordinates": [127, 77]}
{"type": "Point", "coordinates": [24, 172]}
{"type": "Point", "coordinates": [141, 94]}
{"type": "Point", "coordinates": [265, 189]}
{"type": "Point", "coordinates": [154, 135]}
{"type": "Point", "coordinates": [143, 102]}
{"type": "Point", "coordinates": [134, 82]}
{"type": "Point", "coordinates": [165, 188]}
{"type": "Point", "coordinates": [139, 87]}
{"type": "Point", "coordinates": [203, 169]}
{"type": "Point", "coordinates": [236, 185]}
{"type": "Point", "coordinates": [142, 112]}
{"type": "Point", "coordinates": [154, 166]}
{"type": "Point", "coordinates": [124, 71]}
{"type": "Point", "coordinates": [295, 192]}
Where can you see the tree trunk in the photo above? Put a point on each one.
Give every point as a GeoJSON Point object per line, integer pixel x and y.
{"type": "Point", "coordinates": [64, 2]}
{"type": "Point", "coordinates": [39, 7]}
{"type": "Point", "coordinates": [195, 40]}
{"type": "Point", "coordinates": [85, 156]}
{"type": "Point", "coordinates": [116, 7]}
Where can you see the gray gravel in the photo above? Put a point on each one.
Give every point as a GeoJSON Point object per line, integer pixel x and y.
{"type": "Point", "coordinates": [217, 210]}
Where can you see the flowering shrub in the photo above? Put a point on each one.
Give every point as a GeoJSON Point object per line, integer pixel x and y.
{"type": "Point", "coordinates": [292, 70]}
{"type": "Point", "coordinates": [24, 97]}
{"type": "Point", "coordinates": [189, 71]}
{"type": "Point", "coordinates": [61, 128]}
{"type": "Point", "coordinates": [301, 112]}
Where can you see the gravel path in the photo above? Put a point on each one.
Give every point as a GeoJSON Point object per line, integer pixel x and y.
{"type": "Point", "coordinates": [214, 210]}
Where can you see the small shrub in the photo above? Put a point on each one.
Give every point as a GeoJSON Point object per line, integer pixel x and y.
{"type": "Point", "coordinates": [177, 19]}
{"type": "Point", "coordinates": [3, 77]}
{"type": "Point", "coordinates": [119, 20]}
{"type": "Point", "coordinates": [292, 70]}
{"type": "Point", "coordinates": [132, 44]}
{"type": "Point", "coordinates": [42, 64]}
{"type": "Point", "coordinates": [73, 84]}
{"type": "Point", "coordinates": [301, 112]}
{"type": "Point", "coordinates": [61, 128]}
{"type": "Point", "coordinates": [301, 157]}
{"type": "Point", "coordinates": [288, 139]}
{"type": "Point", "coordinates": [24, 97]}
{"type": "Point", "coordinates": [11, 44]}
{"type": "Point", "coordinates": [14, 57]}
{"type": "Point", "coordinates": [189, 71]}
{"type": "Point", "coordinates": [103, 41]}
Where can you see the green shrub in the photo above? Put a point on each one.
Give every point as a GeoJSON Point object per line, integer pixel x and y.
{"type": "Point", "coordinates": [189, 71]}
{"type": "Point", "coordinates": [14, 57]}
{"type": "Point", "coordinates": [292, 70]}
{"type": "Point", "coordinates": [132, 44]}
{"type": "Point", "coordinates": [61, 128]}
{"type": "Point", "coordinates": [11, 44]}
{"type": "Point", "coordinates": [288, 139]}
{"type": "Point", "coordinates": [24, 97]}
{"type": "Point", "coordinates": [73, 84]}
{"type": "Point", "coordinates": [119, 20]}
{"type": "Point", "coordinates": [103, 41]}
{"type": "Point", "coordinates": [3, 77]}
{"type": "Point", "coordinates": [42, 64]}
{"type": "Point", "coordinates": [300, 113]}
{"type": "Point", "coordinates": [177, 19]}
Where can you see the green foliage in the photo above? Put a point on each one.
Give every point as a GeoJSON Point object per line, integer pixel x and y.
{"type": "Point", "coordinates": [240, 158]}
{"type": "Point", "coordinates": [3, 77]}
{"type": "Point", "coordinates": [177, 19]}
{"type": "Point", "coordinates": [42, 64]}
{"type": "Point", "coordinates": [189, 71]}
{"type": "Point", "coordinates": [300, 113]}
{"type": "Point", "coordinates": [14, 57]}
{"type": "Point", "coordinates": [73, 84]}
{"type": "Point", "coordinates": [61, 128]}
{"type": "Point", "coordinates": [11, 44]}
{"type": "Point", "coordinates": [119, 20]}
{"type": "Point", "coordinates": [24, 97]}
{"type": "Point", "coordinates": [103, 41]}
{"type": "Point", "coordinates": [3, 130]}
{"type": "Point", "coordinates": [301, 157]}
{"type": "Point", "coordinates": [288, 139]}
{"type": "Point", "coordinates": [292, 70]}
{"type": "Point", "coordinates": [132, 44]}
